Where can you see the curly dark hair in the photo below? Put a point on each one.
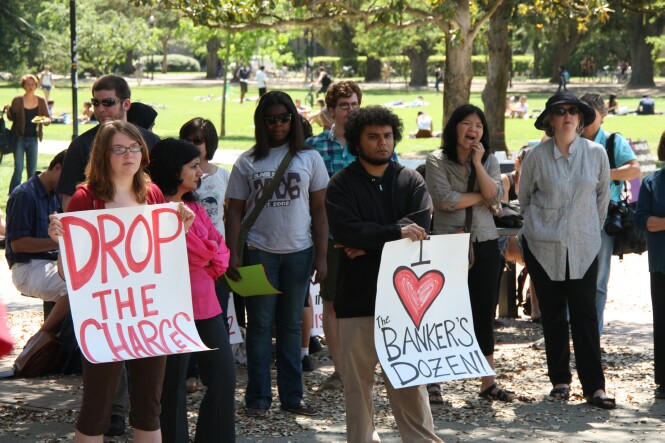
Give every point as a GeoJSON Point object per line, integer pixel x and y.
{"type": "Point", "coordinates": [661, 147]}
{"type": "Point", "coordinates": [449, 142]}
{"type": "Point", "coordinates": [166, 161]}
{"type": "Point", "coordinates": [370, 116]}
{"type": "Point", "coordinates": [296, 137]}
{"type": "Point", "coordinates": [207, 130]}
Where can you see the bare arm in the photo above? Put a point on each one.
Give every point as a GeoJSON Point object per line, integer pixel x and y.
{"type": "Point", "coordinates": [31, 245]}
{"type": "Point", "coordinates": [628, 171]}
{"type": "Point", "coordinates": [233, 221]}
{"type": "Point", "coordinates": [655, 224]}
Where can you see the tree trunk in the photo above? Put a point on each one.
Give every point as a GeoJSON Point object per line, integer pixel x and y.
{"type": "Point", "coordinates": [457, 76]}
{"type": "Point", "coordinates": [165, 64]}
{"type": "Point", "coordinates": [498, 71]}
{"type": "Point", "coordinates": [565, 43]}
{"type": "Point", "coordinates": [639, 27]}
{"type": "Point", "coordinates": [128, 64]}
{"type": "Point", "coordinates": [418, 61]}
{"type": "Point", "coordinates": [222, 126]}
{"type": "Point", "coordinates": [212, 58]}
{"type": "Point", "coordinates": [373, 73]}
{"type": "Point", "coordinates": [536, 57]}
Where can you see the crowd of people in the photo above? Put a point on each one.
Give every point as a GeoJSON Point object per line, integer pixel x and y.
{"type": "Point", "coordinates": [320, 208]}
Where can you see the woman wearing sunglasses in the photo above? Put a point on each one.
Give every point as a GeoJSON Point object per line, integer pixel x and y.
{"type": "Point", "coordinates": [290, 233]}
{"type": "Point", "coordinates": [116, 179]}
{"type": "Point", "coordinates": [564, 192]}
{"type": "Point", "coordinates": [202, 134]}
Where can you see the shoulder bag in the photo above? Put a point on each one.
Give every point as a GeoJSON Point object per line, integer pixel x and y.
{"type": "Point", "coordinates": [469, 214]}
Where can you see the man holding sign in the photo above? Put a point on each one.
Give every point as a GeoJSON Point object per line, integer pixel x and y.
{"type": "Point", "coordinates": [373, 201]}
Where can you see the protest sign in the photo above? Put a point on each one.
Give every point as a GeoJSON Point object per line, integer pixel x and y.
{"type": "Point", "coordinates": [129, 289]}
{"type": "Point", "coordinates": [317, 309]}
{"type": "Point", "coordinates": [423, 328]}
{"type": "Point", "coordinates": [235, 336]}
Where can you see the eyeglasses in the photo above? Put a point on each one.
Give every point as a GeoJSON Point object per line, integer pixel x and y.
{"type": "Point", "coordinates": [562, 111]}
{"type": "Point", "coordinates": [107, 102]}
{"type": "Point", "coordinates": [122, 150]}
{"type": "Point", "coordinates": [273, 119]}
{"type": "Point", "coordinates": [197, 140]}
{"type": "Point", "coordinates": [347, 106]}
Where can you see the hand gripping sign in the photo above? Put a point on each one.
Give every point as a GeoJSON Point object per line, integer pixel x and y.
{"type": "Point", "coordinates": [128, 282]}
{"type": "Point", "coordinates": [423, 328]}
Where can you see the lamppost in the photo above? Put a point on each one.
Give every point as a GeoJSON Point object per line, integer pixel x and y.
{"type": "Point", "coordinates": [151, 24]}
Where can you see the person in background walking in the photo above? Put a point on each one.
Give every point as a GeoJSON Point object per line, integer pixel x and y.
{"type": "Point", "coordinates": [46, 81]}
{"type": "Point", "coordinates": [261, 79]}
{"type": "Point", "coordinates": [28, 112]}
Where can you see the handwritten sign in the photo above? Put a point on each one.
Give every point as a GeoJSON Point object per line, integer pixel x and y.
{"type": "Point", "coordinates": [317, 309]}
{"type": "Point", "coordinates": [129, 289]}
{"type": "Point", "coordinates": [423, 329]}
{"type": "Point", "coordinates": [235, 336]}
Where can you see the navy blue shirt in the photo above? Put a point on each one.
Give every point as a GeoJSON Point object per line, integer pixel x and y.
{"type": "Point", "coordinates": [651, 202]}
{"type": "Point", "coordinates": [28, 208]}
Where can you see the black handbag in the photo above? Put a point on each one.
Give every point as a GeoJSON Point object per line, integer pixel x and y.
{"type": "Point", "coordinates": [510, 217]}
{"type": "Point", "coordinates": [629, 240]}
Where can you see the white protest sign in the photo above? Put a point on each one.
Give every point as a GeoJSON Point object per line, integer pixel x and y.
{"type": "Point", "coordinates": [317, 309]}
{"type": "Point", "coordinates": [423, 329]}
{"type": "Point", "coordinates": [235, 336]}
{"type": "Point", "coordinates": [129, 289]}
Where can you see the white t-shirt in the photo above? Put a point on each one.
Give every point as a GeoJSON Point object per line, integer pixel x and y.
{"type": "Point", "coordinates": [284, 224]}
{"type": "Point", "coordinates": [260, 79]}
{"type": "Point", "coordinates": [211, 196]}
{"type": "Point", "coordinates": [424, 122]}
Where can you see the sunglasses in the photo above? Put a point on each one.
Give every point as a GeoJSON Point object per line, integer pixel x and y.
{"type": "Point", "coordinates": [107, 102]}
{"type": "Point", "coordinates": [122, 150]}
{"type": "Point", "coordinates": [199, 140]}
{"type": "Point", "coordinates": [562, 111]}
{"type": "Point", "coordinates": [273, 119]}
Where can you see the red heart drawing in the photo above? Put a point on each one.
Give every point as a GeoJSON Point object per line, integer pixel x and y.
{"type": "Point", "coordinates": [417, 294]}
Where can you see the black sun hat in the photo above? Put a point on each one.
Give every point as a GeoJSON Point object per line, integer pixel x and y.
{"type": "Point", "coordinates": [566, 98]}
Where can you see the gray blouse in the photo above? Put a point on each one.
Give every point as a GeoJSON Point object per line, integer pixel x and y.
{"type": "Point", "coordinates": [564, 202]}
{"type": "Point", "coordinates": [446, 182]}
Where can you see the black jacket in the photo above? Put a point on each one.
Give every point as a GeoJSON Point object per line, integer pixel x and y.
{"type": "Point", "coordinates": [365, 212]}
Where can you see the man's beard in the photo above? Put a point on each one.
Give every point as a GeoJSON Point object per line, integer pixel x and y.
{"type": "Point", "coordinates": [373, 161]}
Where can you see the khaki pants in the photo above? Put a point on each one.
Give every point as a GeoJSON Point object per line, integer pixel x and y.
{"type": "Point", "coordinates": [359, 359]}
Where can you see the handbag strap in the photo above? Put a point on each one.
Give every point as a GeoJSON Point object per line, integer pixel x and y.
{"type": "Point", "coordinates": [469, 210]}
{"type": "Point", "coordinates": [267, 192]}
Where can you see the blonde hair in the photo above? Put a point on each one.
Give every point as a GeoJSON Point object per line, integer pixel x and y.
{"type": "Point", "coordinates": [98, 172]}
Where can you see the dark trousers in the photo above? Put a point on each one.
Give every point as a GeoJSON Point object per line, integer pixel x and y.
{"type": "Point", "coordinates": [580, 298]}
{"type": "Point", "coordinates": [216, 420]}
{"type": "Point", "coordinates": [658, 303]}
{"type": "Point", "coordinates": [483, 292]}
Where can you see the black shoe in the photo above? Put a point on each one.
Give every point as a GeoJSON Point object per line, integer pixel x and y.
{"type": "Point", "coordinates": [659, 392]}
{"type": "Point", "coordinates": [314, 345]}
{"type": "Point", "coordinates": [307, 364]}
{"type": "Point", "coordinates": [117, 426]}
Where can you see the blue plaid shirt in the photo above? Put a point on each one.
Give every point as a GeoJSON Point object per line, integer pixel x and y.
{"type": "Point", "coordinates": [335, 155]}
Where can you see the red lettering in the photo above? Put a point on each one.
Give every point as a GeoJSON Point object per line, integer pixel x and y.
{"type": "Point", "coordinates": [161, 332]}
{"type": "Point", "coordinates": [134, 265]}
{"type": "Point", "coordinates": [150, 340]}
{"type": "Point", "coordinates": [79, 277]}
{"type": "Point", "coordinates": [123, 343]}
{"type": "Point", "coordinates": [231, 319]}
{"type": "Point", "coordinates": [107, 246]}
{"type": "Point", "coordinates": [137, 346]}
{"type": "Point", "coordinates": [84, 337]}
{"type": "Point", "coordinates": [147, 301]}
{"type": "Point", "coordinates": [162, 240]}
{"type": "Point", "coordinates": [102, 302]}
{"type": "Point", "coordinates": [188, 319]}
{"type": "Point", "coordinates": [120, 305]}
{"type": "Point", "coordinates": [177, 342]}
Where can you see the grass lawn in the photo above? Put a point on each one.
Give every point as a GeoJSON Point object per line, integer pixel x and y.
{"type": "Point", "coordinates": [177, 104]}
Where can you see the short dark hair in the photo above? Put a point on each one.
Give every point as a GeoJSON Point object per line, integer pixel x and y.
{"type": "Point", "coordinates": [207, 130]}
{"type": "Point", "coordinates": [296, 137]}
{"type": "Point", "coordinates": [114, 83]}
{"type": "Point", "coordinates": [370, 116]}
{"type": "Point", "coordinates": [449, 142]}
{"type": "Point", "coordinates": [344, 88]}
{"type": "Point", "coordinates": [142, 115]}
{"type": "Point", "coordinates": [167, 158]}
{"type": "Point", "coordinates": [57, 160]}
{"type": "Point", "coordinates": [595, 101]}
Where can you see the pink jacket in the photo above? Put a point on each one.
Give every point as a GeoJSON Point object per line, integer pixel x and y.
{"type": "Point", "coordinates": [208, 259]}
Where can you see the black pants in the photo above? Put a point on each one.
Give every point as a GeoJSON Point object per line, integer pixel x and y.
{"type": "Point", "coordinates": [580, 298]}
{"type": "Point", "coordinates": [483, 292]}
{"type": "Point", "coordinates": [216, 421]}
{"type": "Point", "coordinates": [658, 303]}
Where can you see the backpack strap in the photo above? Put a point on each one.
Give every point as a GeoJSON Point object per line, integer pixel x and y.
{"type": "Point", "coordinates": [609, 147]}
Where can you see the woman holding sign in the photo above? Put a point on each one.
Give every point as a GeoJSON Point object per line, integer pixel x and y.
{"type": "Point", "coordinates": [175, 166]}
{"type": "Point", "coordinates": [289, 234]}
{"type": "Point", "coordinates": [116, 179]}
{"type": "Point", "coordinates": [564, 193]}
{"type": "Point", "coordinates": [464, 181]}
